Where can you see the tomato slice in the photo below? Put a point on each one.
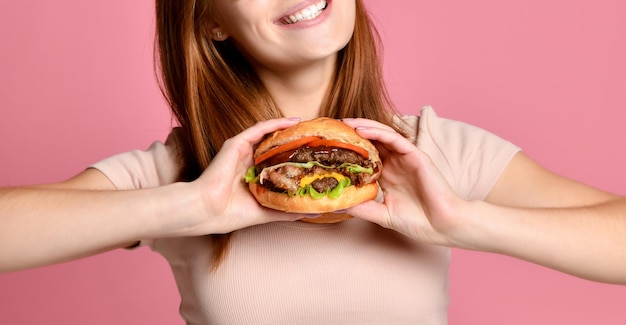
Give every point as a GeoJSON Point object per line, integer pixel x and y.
{"type": "Point", "coordinates": [339, 144]}
{"type": "Point", "coordinates": [285, 147]}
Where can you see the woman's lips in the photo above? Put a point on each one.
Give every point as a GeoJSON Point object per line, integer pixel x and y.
{"type": "Point", "coordinates": [309, 12]}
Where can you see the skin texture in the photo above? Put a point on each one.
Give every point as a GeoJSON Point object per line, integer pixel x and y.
{"type": "Point", "coordinates": [540, 217]}
{"type": "Point", "coordinates": [83, 216]}
{"type": "Point", "coordinates": [297, 76]}
{"type": "Point", "coordinates": [295, 62]}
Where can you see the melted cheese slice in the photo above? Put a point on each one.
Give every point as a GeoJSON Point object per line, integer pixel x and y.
{"type": "Point", "coordinates": [306, 180]}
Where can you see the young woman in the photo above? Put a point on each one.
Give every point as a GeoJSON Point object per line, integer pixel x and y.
{"type": "Point", "coordinates": [230, 70]}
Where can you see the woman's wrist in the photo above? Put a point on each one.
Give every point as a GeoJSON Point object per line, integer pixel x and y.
{"type": "Point", "coordinates": [475, 227]}
{"type": "Point", "coordinates": [179, 210]}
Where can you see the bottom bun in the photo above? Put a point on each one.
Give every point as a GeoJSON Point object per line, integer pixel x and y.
{"type": "Point", "coordinates": [350, 197]}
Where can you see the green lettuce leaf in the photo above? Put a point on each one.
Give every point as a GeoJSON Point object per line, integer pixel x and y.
{"type": "Point", "coordinates": [250, 177]}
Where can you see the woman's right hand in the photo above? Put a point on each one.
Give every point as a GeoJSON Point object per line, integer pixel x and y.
{"type": "Point", "coordinates": [226, 200]}
{"type": "Point", "coordinates": [85, 215]}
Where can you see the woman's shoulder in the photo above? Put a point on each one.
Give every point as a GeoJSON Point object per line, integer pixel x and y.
{"type": "Point", "coordinates": [157, 165]}
{"type": "Point", "coordinates": [469, 157]}
{"type": "Point", "coordinates": [428, 125]}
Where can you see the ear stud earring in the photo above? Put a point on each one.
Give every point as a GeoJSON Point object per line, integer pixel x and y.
{"type": "Point", "coordinates": [219, 34]}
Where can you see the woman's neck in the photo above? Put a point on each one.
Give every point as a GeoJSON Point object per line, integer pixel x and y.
{"type": "Point", "coordinates": [300, 92]}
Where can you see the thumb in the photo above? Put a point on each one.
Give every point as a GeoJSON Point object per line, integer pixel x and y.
{"type": "Point", "coordinates": [371, 211]}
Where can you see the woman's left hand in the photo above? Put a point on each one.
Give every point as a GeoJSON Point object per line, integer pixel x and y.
{"type": "Point", "coordinates": [525, 217]}
{"type": "Point", "coordinates": [418, 202]}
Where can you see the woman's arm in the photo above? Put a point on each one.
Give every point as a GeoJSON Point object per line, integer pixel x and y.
{"type": "Point", "coordinates": [85, 215]}
{"type": "Point", "coordinates": [547, 219]}
{"type": "Point", "coordinates": [587, 242]}
{"type": "Point", "coordinates": [530, 213]}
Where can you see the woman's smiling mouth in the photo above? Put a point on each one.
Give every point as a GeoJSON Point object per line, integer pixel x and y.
{"type": "Point", "coordinates": [307, 13]}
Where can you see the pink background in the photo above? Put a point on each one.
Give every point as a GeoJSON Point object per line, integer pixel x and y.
{"type": "Point", "coordinates": [76, 85]}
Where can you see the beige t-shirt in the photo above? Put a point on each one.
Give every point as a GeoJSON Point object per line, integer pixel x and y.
{"type": "Point", "coordinates": [352, 272]}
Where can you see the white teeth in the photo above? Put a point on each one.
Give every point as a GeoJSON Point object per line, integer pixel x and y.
{"type": "Point", "coordinates": [307, 13]}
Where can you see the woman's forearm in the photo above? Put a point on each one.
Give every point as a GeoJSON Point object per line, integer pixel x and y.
{"type": "Point", "coordinates": [588, 242]}
{"type": "Point", "coordinates": [40, 225]}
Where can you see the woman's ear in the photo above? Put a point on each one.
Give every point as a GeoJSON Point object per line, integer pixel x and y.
{"type": "Point", "coordinates": [217, 33]}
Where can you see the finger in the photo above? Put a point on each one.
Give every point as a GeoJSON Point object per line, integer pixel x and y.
{"type": "Point", "coordinates": [362, 122]}
{"type": "Point", "coordinates": [237, 151]}
{"type": "Point", "coordinates": [391, 139]}
{"type": "Point", "coordinates": [371, 211]}
{"type": "Point", "coordinates": [233, 159]}
{"type": "Point", "coordinates": [256, 133]}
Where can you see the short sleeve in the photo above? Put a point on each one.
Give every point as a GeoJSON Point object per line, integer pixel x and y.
{"type": "Point", "coordinates": [470, 158]}
{"type": "Point", "coordinates": [158, 165]}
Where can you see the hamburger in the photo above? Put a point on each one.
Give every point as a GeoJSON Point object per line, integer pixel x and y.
{"type": "Point", "coordinates": [315, 167]}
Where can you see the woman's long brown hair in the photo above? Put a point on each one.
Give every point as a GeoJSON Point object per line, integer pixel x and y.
{"type": "Point", "coordinates": [215, 94]}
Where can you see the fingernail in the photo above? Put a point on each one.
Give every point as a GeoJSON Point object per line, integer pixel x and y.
{"type": "Point", "coordinates": [294, 118]}
{"type": "Point", "coordinates": [361, 128]}
{"type": "Point", "coordinates": [340, 211]}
